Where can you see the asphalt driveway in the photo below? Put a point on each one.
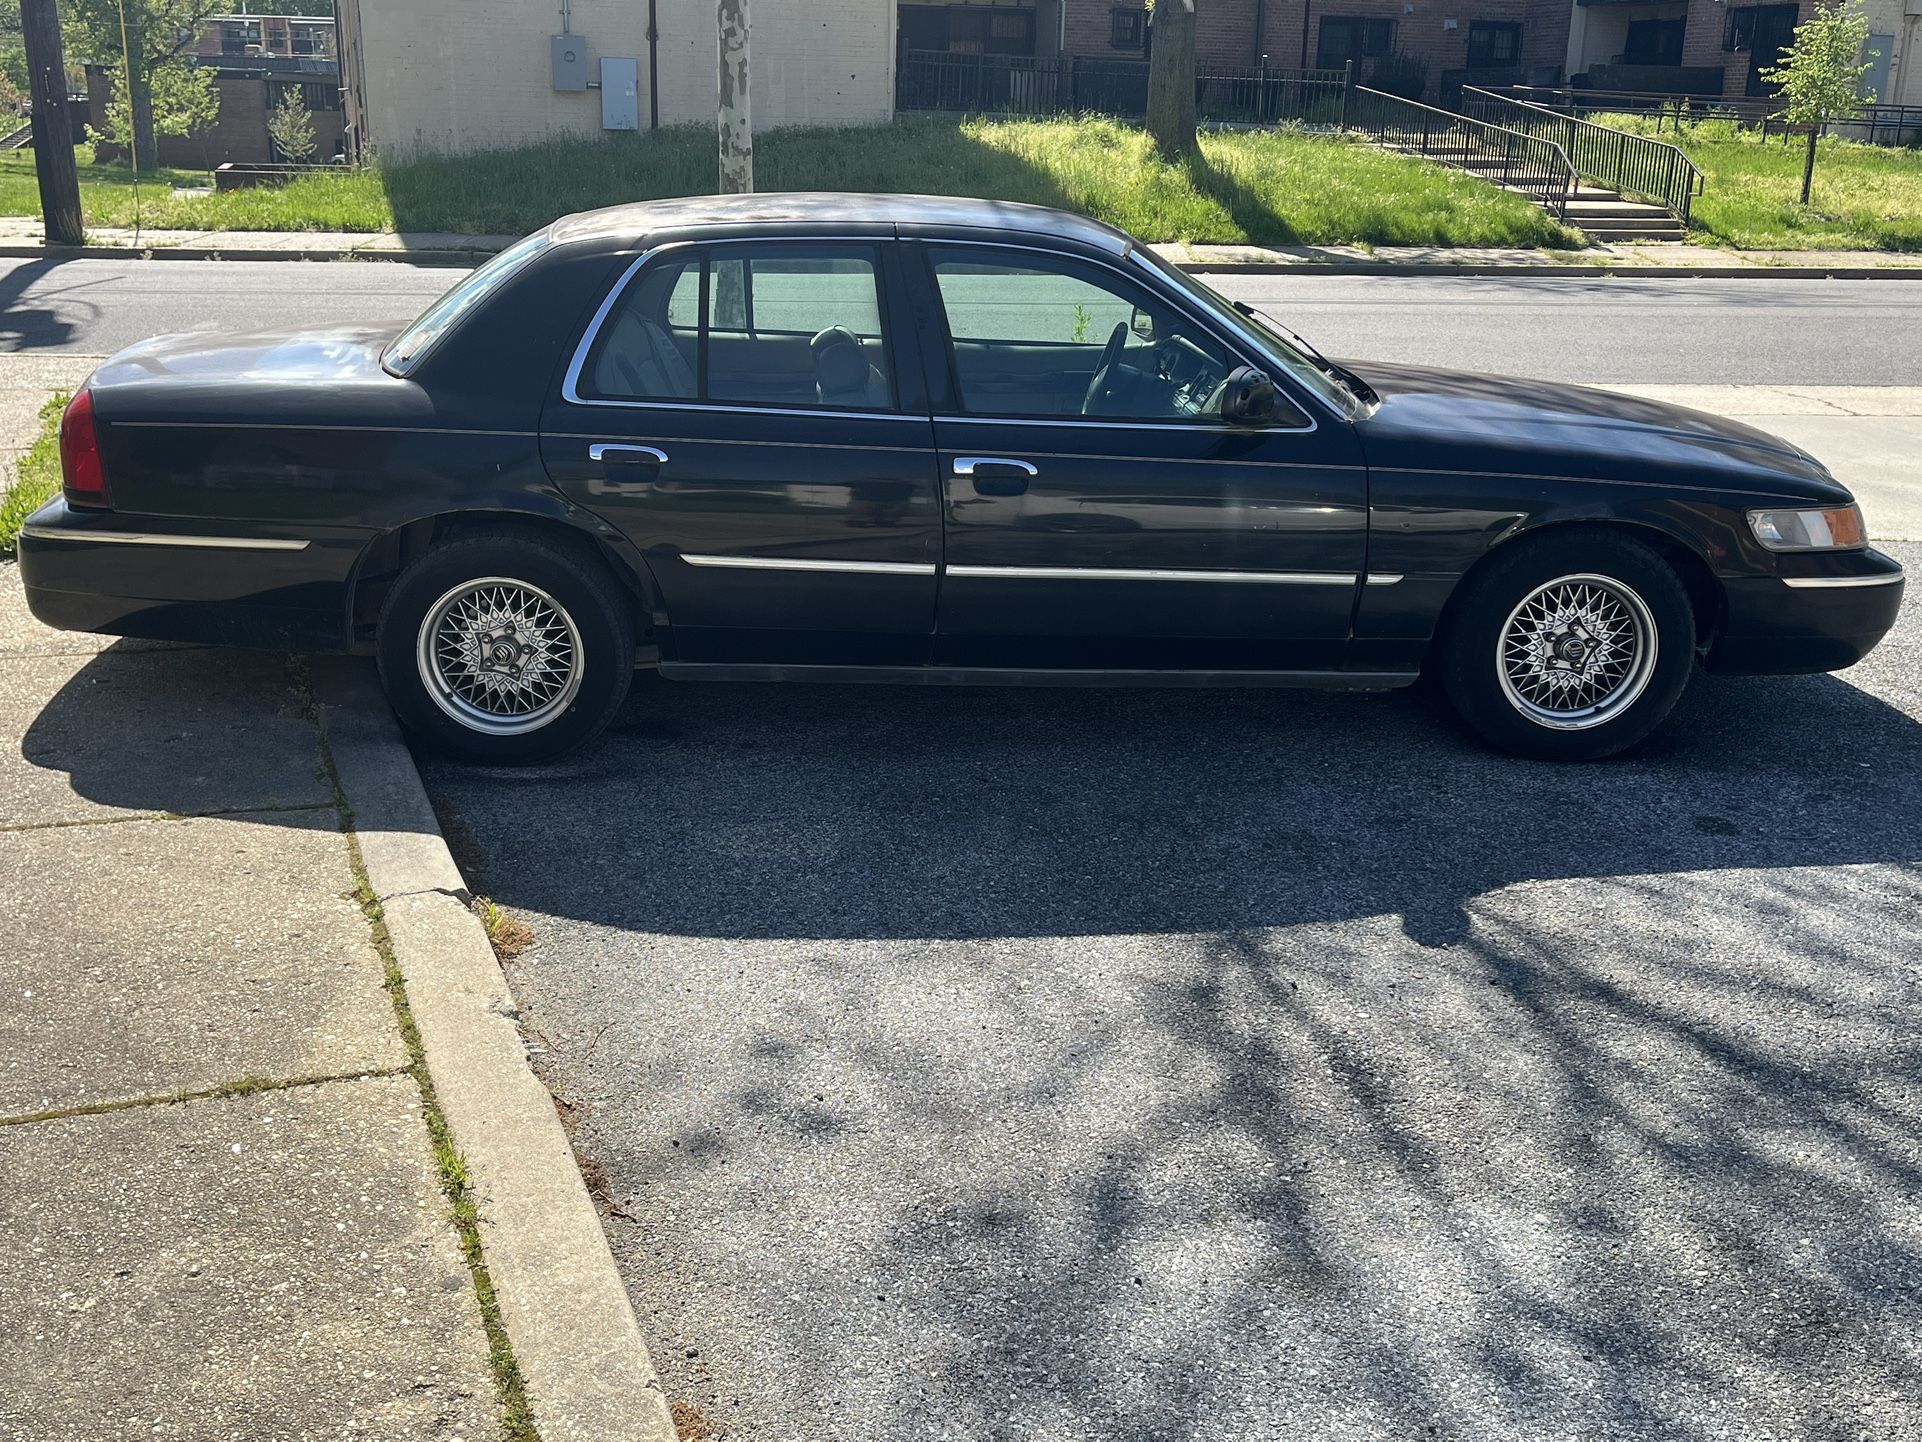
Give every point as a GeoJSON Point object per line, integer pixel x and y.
{"type": "Point", "coordinates": [1250, 1065]}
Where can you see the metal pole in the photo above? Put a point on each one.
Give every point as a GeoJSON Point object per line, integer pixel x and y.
{"type": "Point", "coordinates": [52, 124]}
{"type": "Point", "coordinates": [735, 116]}
{"type": "Point", "coordinates": [1347, 90]}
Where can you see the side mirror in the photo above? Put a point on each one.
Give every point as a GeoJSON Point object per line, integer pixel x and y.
{"type": "Point", "coordinates": [1142, 323]}
{"type": "Point", "coordinates": [1248, 396]}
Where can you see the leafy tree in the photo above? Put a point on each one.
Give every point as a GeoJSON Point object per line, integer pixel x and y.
{"type": "Point", "coordinates": [291, 124]}
{"type": "Point", "coordinates": [159, 32]}
{"type": "Point", "coordinates": [1823, 74]}
{"type": "Point", "coordinates": [1171, 77]}
{"type": "Point", "coordinates": [186, 102]}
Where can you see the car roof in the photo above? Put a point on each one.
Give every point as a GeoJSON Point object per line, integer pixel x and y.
{"type": "Point", "coordinates": [688, 216]}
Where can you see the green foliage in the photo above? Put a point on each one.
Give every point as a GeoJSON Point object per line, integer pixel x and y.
{"type": "Point", "coordinates": [1823, 73]}
{"type": "Point", "coordinates": [291, 125]}
{"type": "Point", "coordinates": [186, 100]}
{"type": "Point", "coordinates": [38, 479]}
{"type": "Point", "coordinates": [1871, 196]}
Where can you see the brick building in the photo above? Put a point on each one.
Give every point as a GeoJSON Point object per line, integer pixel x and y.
{"type": "Point", "coordinates": [1483, 41]}
{"type": "Point", "coordinates": [256, 59]}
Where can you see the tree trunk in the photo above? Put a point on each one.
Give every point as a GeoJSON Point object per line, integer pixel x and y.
{"type": "Point", "coordinates": [1171, 79]}
{"type": "Point", "coordinates": [736, 118]}
{"type": "Point", "coordinates": [52, 123]}
{"type": "Point", "coordinates": [140, 102]}
{"type": "Point", "coordinates": [1808, 165]}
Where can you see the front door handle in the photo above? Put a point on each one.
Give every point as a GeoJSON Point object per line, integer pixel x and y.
{"type": "Point", "coordinates": [996, 475]}
{"type": "Point", "coordinates": [610, 454]}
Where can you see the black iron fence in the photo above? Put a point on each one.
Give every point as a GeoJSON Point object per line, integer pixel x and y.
{"type": "Point", "coordinates": [1072, 85]}
{"type": "Point", "coordinates": [1631, 164]}
{"type": "Point", "coordinates": [1517, 159]}
{"type": "Point", "coordinates": [1874, 124]}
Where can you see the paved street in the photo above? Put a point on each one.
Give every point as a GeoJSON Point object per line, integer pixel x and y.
{"type": "Point", "coordinates": [1565, 327]}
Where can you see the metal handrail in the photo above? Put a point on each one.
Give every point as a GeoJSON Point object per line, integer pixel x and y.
{"type": "Point", "coordinates": [1628, 164]}
{"type": "Point", "coordinates": [1901, 124]}
{"type": "Point", "coordinates": [1515, 159]}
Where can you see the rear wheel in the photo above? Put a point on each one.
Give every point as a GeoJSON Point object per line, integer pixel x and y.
{"type": "Point", "coordinates": [505, 648]}
{"type": "Point", "coordinates": [1571, 648]}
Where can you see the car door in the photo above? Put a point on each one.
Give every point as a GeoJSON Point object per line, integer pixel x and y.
{"type": "Point", "coordinates": [1100, 512]}
{"type": "Point", "coordinates": [736, 409]}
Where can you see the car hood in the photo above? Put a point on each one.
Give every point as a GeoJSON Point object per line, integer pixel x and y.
{"type": "Point", "coordinates": [1510, 424]}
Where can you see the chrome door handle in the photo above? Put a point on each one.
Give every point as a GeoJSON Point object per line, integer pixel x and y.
{"type": "Point", "coordinates": [625, 455]}
{"type": "Point", "coordinates": [968, 465]}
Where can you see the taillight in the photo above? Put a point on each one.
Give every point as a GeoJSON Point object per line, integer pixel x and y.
{"type": "Point", "coordinates": [86, 478]}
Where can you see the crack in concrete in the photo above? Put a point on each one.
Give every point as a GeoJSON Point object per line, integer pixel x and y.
{"type": "Point", "coordinates": [243, 1087]}
{"type": "Point", "coordinates": [18, 827]}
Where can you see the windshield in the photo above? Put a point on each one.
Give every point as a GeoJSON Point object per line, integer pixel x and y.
{"type": "Point", "coordinates": [445, 313]}
{"type": "Point", "coordinates": [1279, 350]}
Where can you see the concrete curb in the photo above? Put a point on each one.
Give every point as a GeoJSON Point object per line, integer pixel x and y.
{"type": "Point", "coordinates": [588, 1374]}
{"type": "Point", "coordinates": [1580, 270]}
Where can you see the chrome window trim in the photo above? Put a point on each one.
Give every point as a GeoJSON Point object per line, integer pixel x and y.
{"type": "Point", "coordinates": [1811, 582]}
{"type": "Point", "coordinates": [1115, 573]}
{"type": "Point", "coordinates": [571, 384]}
{"type": "Point", "coordinates": [145, 538]}
{"type": "Point", "coordinates": [784, 563]}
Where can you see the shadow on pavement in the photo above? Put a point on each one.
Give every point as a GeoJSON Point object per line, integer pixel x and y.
{"type": "Point", "coordinates": [1165, 1064]}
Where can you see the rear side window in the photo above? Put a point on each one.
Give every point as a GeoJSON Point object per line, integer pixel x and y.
{"type": "Point", "coordinates": [444, 314]}
{"type": "Point", "coordinates": [795, 325]}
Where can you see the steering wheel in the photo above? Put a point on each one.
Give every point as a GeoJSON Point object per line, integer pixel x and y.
{"type": "Point", "coordinates": [1104, 370]}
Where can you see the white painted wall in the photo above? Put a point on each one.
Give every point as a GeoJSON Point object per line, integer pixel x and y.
{"type": "Point", "coordinates": [464, 75]}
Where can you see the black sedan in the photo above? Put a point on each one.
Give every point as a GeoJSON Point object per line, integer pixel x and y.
{"type": "Point", "coordinates": [887, 438]}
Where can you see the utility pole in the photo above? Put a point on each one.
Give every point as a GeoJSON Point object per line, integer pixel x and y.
{"type": "Point", "coordinates": [736, 118]}
{"type": "Point", "coordinates": [52, 124]}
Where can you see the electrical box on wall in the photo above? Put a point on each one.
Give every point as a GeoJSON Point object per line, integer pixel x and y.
{"type": "Point", "coordinates": [620, 93]}
{"type": "Point", "coordinates": [570, 62]}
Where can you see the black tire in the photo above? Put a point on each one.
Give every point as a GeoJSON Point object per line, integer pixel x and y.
{"type": "Point", "coordinates": [1570, 647]}
{"type": "Point", "coordinates": [569, 656]}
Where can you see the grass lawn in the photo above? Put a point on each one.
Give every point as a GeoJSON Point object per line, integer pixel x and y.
{"type": "Point", "coordinates": [38, 479]}
{"type": "Point", "coordinates": [1275, 188]}
{"type": "Point", "coordinates": [1866, 197]}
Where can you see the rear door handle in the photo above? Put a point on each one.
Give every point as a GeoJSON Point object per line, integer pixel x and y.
{"type": "Point", "coordinates": [996, 475]}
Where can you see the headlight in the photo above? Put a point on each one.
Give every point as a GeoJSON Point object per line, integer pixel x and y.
{"type": "Point", "coordinates": [1836, 528]}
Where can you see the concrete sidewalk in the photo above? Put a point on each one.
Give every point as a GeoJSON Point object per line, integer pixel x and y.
{"type": "Point", "coordinates": [24, 236]}
{"type": "Point", "coordinates": [272, 1162]}
{"type": "Point", "coordinates": [223, 1212]}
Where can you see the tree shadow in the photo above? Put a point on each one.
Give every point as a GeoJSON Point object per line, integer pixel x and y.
{"type": "Point", "coordinates": [1008, 1064]}
{"type": "Point", "coordinates": [36, 327]}
{"type": "Point", "coordinates": [1256, 217]}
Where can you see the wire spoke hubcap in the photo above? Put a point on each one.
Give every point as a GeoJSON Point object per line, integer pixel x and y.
{"type": "Point", "coordinates": [500, 656]}
{"type": "Point", "coordinates": [1576, 652]}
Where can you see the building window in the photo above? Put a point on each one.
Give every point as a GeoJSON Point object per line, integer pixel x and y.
{"type": "Point", "coordinates": [1494, 42]}
{"type": "Point", "coordinates": [237, 35]}
{"type": "Point", "coordinates": [1129, 28]}
{"type": "Point", "coordinates": [1749, 25]}
{"type": "Point", "coordinates": [1349, 37]}
{"type": "Point", "coordinates": [1654, 42]}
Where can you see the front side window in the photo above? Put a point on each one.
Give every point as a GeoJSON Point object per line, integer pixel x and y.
{"type": "Point", "coordinates": [1049, 336]}
{"type": "Point", "coordinates": [407, 349]}
{"type": "Point", "coordinates": [795, 325]}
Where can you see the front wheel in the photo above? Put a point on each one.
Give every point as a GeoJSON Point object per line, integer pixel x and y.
{"type": "Point", "coordinates": [505, 649]}
{"type": "Point", "coordinates": [1572, 648]}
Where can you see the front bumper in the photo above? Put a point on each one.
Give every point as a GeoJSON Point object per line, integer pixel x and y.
{"type": "Point", "coordinates": [99, 572]}
{"type": "Point", "coordinates": [1821, 613]}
